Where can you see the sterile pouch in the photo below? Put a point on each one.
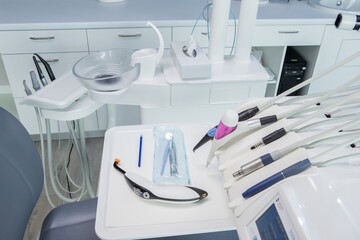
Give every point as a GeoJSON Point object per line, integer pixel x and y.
{"type": "Point", "coordinates": [170, 162]}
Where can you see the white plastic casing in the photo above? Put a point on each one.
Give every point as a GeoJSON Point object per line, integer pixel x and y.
{"type": "Point", "coordinates": [321, 206]}
{"type": "Point", "coordinates": [348, 21]}
{"type": "Point", "coordinates": [230, 118]}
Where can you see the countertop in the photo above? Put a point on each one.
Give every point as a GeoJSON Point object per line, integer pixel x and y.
{"type": "Point", "coordinates": [80, 14]}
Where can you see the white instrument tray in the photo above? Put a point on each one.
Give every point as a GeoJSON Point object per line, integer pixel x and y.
{"type": "Point", "coordinates": [121, 214]}
{"type": "Point", "coordinates": [58, 94]}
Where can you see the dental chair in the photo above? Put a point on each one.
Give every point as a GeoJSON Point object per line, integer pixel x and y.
{"type": "Point", "coordinates": [21, 182]}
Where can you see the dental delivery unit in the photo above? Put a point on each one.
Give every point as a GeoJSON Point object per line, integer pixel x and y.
{"type": "Point", "coordinates": [282, 167]}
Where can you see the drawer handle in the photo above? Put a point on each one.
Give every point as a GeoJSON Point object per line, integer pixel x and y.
{"type": "Point", "coordinates": [50, 60]}
{"type": "Point", "coordinates": [130, 35]}
{"type": "Point", "coordinates": [204, 33]}
{"type": "Point", "coordinates": [288, 32]}
{"type": "Point", "coordinates": [41, 38]}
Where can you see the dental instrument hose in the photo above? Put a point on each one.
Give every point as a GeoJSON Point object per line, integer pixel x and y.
{"type": "Point", "coordinates": [52, 179]}
{"type": "Point", "coordinates": [319, 99]}
{"type": "Point", "coordinates": [332, 139]}
{"type": "Point", "coordinates": [252, 123]}
{"type": "Point", "coordinates": [250, 112]}
{"type": "Point", "coordinates": [284, 130]}
{"type": "Point", "coordinates": [267, 104]}
{"type": "Point", "coordinates": [42, 147]}
{"type": "Point", "coordinates": [327, 121]}
{"type": "Point", "coordinates": [277, 154]}
{"type": "Point", "coordinates": [331, 150]}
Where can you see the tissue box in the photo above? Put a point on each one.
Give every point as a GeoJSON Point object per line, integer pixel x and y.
{"type": "Point", "coordinates": [190, 68]}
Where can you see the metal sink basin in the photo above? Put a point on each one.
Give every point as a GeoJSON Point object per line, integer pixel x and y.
{"type": "Point", "coordinates": [337, 6]}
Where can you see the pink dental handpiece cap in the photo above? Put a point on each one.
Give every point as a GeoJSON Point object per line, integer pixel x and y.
{"type": "Point", "coordinates": [227, 124]}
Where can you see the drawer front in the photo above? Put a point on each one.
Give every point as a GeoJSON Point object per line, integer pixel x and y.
{"type": "Point", "coordinates": [42, 41]}
{"type": "Point", "coordinates": [134, 38]}
{"type": "Point", "coordinates": [18, 68]}
{"type": "Point", "coordinates": [288, 35]}
{"type": "Point", "coordinates": [201, 35]}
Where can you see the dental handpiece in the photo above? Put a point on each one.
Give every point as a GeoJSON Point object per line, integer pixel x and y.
{"type": "Point", "coordinates": [284, 130]}
{"type": "Point", "coordinates": [34, 81]}
{"type": "Point", "coordinates": [41, 75]}
{"type": "Point", "coordinates": [27, 90]}
{"type": "Point", "coordinates": [47, 67]}
{"type": "Point", "coordinates": [257, 163]}
{"type": "Point", "coordinates": [277, 154]}
{"type": "Point", "coordinates": [161, 192]}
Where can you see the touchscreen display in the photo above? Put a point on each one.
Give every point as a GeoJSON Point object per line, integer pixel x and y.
{"type": "Point", "coordinates": [270, 225]}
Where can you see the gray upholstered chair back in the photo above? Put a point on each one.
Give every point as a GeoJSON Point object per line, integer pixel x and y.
{"type": "Point", "coordinates": [21, 177]}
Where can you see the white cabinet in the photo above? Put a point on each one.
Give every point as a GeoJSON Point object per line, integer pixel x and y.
{"type": "Point", "coordinates": [18, 67]}
{"type": "Point", "coordinates": [64, 47]}
{"type": "Point", "coordinates": [61, 48]}
{"type": "Point", "coordinates": [337, 44]}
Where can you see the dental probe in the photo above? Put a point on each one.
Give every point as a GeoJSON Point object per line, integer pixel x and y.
{"type": "Point", "coordinates": [161, 192]}
{"type": "Point", "coordinates": [284, 130]}
{"type": "Point", "coordinates": [250, 112]}
{"type": "Point", "coordinates": [269, 158]}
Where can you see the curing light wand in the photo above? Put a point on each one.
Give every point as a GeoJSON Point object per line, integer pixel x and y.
{"type": "Point", "coordinates": [160, 192]}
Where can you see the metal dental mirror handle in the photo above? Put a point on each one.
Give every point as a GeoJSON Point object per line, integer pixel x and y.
{"type": "Point", "coordinates": [161, 192]}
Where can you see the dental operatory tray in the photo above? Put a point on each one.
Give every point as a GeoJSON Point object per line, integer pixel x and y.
{"type": "Point", "coordinates": [57, 94]}
{"type": "Point", "coordinates": [123, 214]}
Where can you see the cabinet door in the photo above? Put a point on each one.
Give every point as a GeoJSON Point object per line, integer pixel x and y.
{"type": "Point", "coordinates": [337, 45]}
